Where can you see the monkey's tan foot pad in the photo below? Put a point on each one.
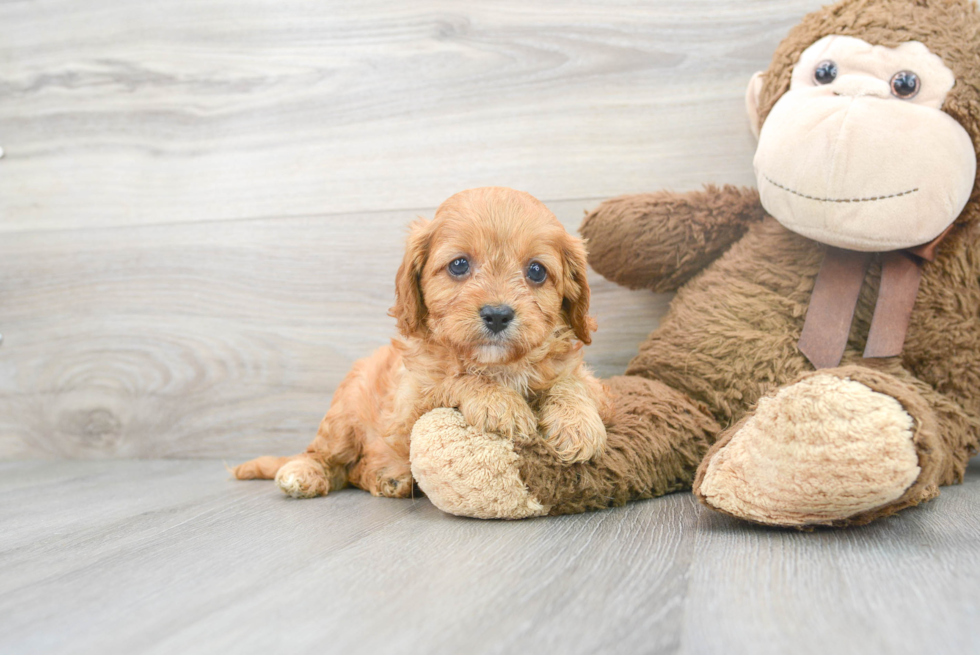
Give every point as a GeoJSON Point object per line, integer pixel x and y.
{"type": "Point", "coordinates": [305, 478]}
{"type": "Point", "coordinates": [467, 472]}
{"type": "Point", "coordinates": [817, 452]}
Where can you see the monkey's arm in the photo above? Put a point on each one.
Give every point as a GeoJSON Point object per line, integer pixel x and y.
{"type": "Point", "coordinates": [660, 240]}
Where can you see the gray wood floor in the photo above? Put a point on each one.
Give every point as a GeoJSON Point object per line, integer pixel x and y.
{"type": "Point", "coordinates": [172, 557]}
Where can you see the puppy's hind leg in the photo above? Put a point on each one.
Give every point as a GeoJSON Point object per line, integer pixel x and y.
{"type": "Point", "coordinates": [331, 460]}
{"type": "Point", "coordinates": [324, 466]}
{"type": "Point", "coordinates": [308, 477]}
{"type": "Point", "coordinates": [383, 469]}
{"type": "Point", "coordinates": [261, 468]}
{"type": "Point", "coordinates": [299, 476]}
{"type": "Point", "coordinates": [320, 470]}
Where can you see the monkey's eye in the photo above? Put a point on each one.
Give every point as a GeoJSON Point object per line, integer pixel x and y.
{"type": "Point", "coordinates": [536, 273]}
{"type": "Point", "coordinates": [905, 84]}
{"type": "Point", "coordinates": [825, 73]}
{"type": "Point", "coordinates": [459, 267]}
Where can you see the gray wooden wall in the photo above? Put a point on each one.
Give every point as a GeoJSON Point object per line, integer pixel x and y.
{"type": "Point", "coordinates": [202, 202]}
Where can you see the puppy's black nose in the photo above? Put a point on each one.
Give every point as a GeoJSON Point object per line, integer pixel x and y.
{"type": "Point", "coordinates": [497, 317]}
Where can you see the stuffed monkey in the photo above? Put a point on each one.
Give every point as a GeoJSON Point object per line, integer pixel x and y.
{"type": "Point", "coordinates": [820, 363]}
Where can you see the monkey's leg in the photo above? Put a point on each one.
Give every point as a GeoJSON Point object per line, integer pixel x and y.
{"type": "Point", "coordinates": [839, 446]}
{"type": "Point", "coordinates": [655, 441]}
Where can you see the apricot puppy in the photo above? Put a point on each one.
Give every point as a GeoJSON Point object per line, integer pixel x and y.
{"type": "Point", "coordinates": [492, 307]}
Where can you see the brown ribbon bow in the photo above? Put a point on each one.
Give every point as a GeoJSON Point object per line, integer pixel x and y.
{"type": "Point", "coordinates": [835, 296]}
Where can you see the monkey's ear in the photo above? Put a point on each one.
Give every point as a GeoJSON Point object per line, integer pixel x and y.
{"type": "Point", "coordinates": [752, 102]}
{"type": "Point", "coordinates": [575, 290]}
{"type": "Point", "coordinates": [409, 308]}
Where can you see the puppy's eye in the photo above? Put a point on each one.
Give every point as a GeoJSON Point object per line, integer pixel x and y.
{"type": "Point", "coordinates": [536, 273]}
{"type": "Point", "coordinates": [825, 73]}
{"type": "Point", "coordinates": [459, 267]}
{"type": "Point", "coordinates": [905, 84]}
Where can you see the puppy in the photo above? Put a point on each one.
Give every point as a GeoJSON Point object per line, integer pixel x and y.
{"type": "Point", "coordinates": [492, 306]}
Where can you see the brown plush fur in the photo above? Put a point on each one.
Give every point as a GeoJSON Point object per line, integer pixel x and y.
{"type": "Point", "coordinates": [731, 334]}
{"type": "Point", "coordinates": [656, 438]}
{"type": "Point", "coordinates": [640, 234]}
{"type": "Point", "coordinates": [529, 375]}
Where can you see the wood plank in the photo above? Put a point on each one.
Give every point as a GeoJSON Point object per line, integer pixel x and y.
{"type": "Point", "coordinates": [359, 572]}
{"type": "Point", "coordinates": [902, 585]}
{"type": "Point", "coordinates": [151, 556]}
{"type": "Point", "coordinates": [213, 339]}
{"type": "Point", "coordinates": [119, 113]}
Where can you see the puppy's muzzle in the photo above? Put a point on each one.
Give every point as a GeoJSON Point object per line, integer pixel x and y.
{"type": "Point", "coordinates": [496, 318]}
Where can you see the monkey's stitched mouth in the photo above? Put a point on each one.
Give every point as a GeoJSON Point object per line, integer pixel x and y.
{"type": "Point", "coordinates": [869, 199]}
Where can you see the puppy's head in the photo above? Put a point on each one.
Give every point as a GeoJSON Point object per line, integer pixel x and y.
{"type": "Point", "coordinates": [492, 276]}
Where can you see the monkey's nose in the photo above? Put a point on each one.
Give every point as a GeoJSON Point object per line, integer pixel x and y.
{"type": "Point", "coordinates": [497, 317]}
{"type": "Point", "coordinates": [861, 85]}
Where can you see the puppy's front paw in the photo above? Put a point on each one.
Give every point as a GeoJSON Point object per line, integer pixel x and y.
{"type": "Point", "coordinates": [577, 433]}
{"type": "Point", "coordinates": [505, 414]}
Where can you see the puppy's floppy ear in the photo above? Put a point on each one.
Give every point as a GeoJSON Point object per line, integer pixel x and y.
{"type": "Point", "coordinates": [409, 308]}
{"type": "Point", "coordinates": [575, 290]}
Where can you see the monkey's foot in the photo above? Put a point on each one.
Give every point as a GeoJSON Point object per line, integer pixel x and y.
{"type": "Point", "coordinates": [826, 450]}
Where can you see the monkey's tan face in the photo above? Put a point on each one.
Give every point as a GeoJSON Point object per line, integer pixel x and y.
{"type": "Point", "coordinates": [858, 153]}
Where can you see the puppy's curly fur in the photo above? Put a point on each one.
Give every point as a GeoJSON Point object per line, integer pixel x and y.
{"type": "Point", "coordinates": [516, 370]}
